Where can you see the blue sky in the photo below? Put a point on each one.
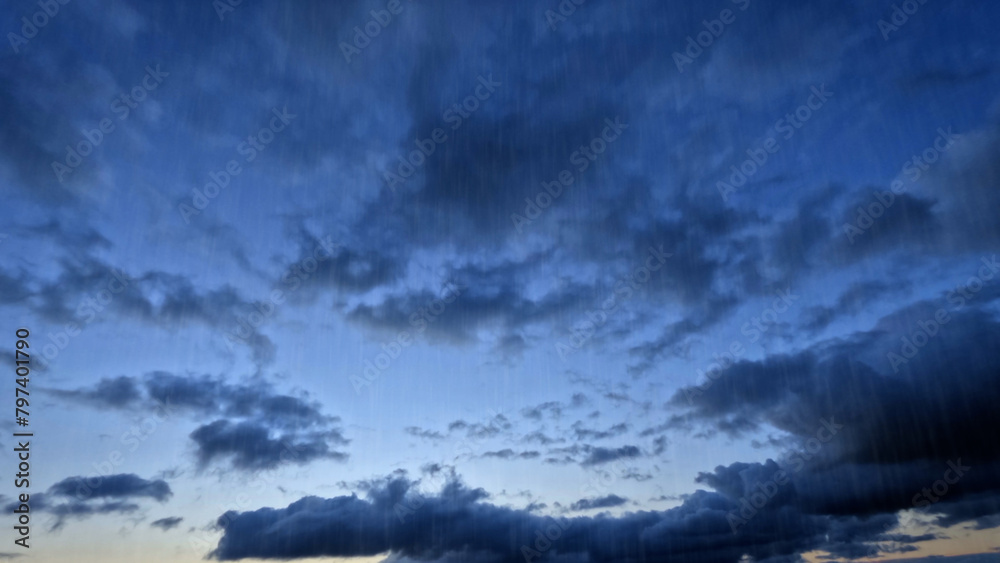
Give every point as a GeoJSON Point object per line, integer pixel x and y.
{"type": "Point", "coordinates": [503, 281]}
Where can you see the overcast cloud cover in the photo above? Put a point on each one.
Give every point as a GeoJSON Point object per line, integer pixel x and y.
{"type": "Point", "coordinates": [501, 281]}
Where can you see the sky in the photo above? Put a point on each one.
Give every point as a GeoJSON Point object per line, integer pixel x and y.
{"type": "Point", "coordinates": [563, 281]}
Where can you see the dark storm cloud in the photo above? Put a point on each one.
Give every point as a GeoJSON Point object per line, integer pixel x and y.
{"type": "Point", "coordinates": [554, 90]}
{"type": "Point", "coordinates": [167, 524]}
{"type": "Point", "coordinates": [933, 206]}
{"type": "Point", "coordinates": [981, 510]}
{"type": "Point", "coordinates": [978, 558]}
{"type": "Point", "coordinates": [814, 232]}
{"type": "Point", "coordinates": [523, 135]}
{"type": "Point", "coordinates": [903, 424]}
{"type": "Point", "coordinates": [261, 428]}
{"type": "Point", "coordinates": [465, 526]}
{"type": "Point", "coordinates": [526, 132]}
{"type": "Point", "coordinates": [468, 188]}
{"type": "Point", "coordinates": [784, 391]}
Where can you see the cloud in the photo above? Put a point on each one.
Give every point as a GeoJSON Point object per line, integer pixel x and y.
{"type": "Point", "coordinates": [508, 454]}
{"type": "Point", "coordinates": [582, 433]}
{"type": "Point", "coordinates": [117, 392]}
{"type": "Point", "coordinates": [522, 290]}
{"type": "Point", "coordinates": [467, 527]}
{"type": "Point", "coordinates": [250, 446]}
{"type": "Point", "coordinates": [539, 437]}
{"type": "Point", "coordinates": [423, 433]}
{"type": "Point", "coordinates": [873, 466]}
{"type": "Point", "coordinates": [609, 501]}
{"type": "Point", "coordinates": [851, 302]}
{"type": "Point", "coordinates": [260, 428]}
{"type": "Point", "coordinates": [83, 497]}
{"type": "Point", "coordinates": [166, 524]}
{"type": "Point", "coordinates": [87, 289]}
{"type": "Point", "coordinates": [600, 456]}
{"type": "Point", "coordinates": [977, 558]}
{"type": "Point", "coordinates": [112, 486]}
{"type": "Point", "coordinates": [552, 408]}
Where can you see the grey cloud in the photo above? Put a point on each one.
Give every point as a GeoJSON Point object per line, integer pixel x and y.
{"type": "Point", "coordinates": [609, 501]}
{"type": "Point", "coordinates": [469, 528]}
{"type": "Point", "coordinates": [167, 524]}
{"type": "Point", "coordinates": [82, 497]}
{"type": "Point", "coordinates": [112, 486]}
{"type": "Point", "coordinates": [600, 456]}
{"type": "Point", "coordinates": [254, 447]}
{"type": "Point", "coordinates": [261, 428]}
